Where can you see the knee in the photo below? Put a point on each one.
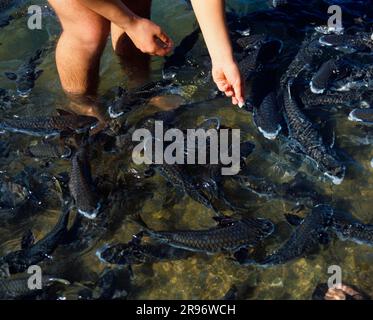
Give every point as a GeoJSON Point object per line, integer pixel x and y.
{"type": "Point", "coordinates": [91, 38]}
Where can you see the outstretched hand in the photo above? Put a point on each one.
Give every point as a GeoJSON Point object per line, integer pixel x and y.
{"type": "Point", "coordinates": [228, 79]}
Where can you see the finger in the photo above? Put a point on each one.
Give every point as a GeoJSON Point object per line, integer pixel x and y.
{"type": "Point", "coordinates": [238, 91]}
{"type": "Point", "coordinates": [165, 39]}
{"type": "Point", "coordinates": [229, 93]}
{"type": "Point", "coordinates": [159, 50]}
{"type": "Point", "coordinates": [234, 101]}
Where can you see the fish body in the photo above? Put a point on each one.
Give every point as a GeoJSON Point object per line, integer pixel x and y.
{"type": "Point", "coordinates": [49, 150]}
{"type": "Point", "coordinates": [130, 253]}
{"type": "Point", "coordinates": [81, 185]}
{"type": "Point", "coordinates": [308, 139]}
{"type": "Point", "coordinates": [349, 228]}
{"type": "Point", "coordinates": [229, 236]}
{"type": "Point", "coordinates": [267, 117]}
{"type": "Point", "coordinates": [358, 78]}
{"type": "Point", "coordinates": [19, 261]}
{"type": "Point", "coordinates": [251, 41]}
{"type": "Point", "coordinates": [346, 42]}
{"type": "Point", "coordinates": [305, 237]}
{"type": "Point", "coordinates": [331, 98]}
{"type": "Point", "coordinates": [249, 64]}
{"type": "Point", "coordinates": [328, 71]}
{"type": "Point", "coordinates": [18, 288]}
{"type": "Point", "coordinates": [49, 125]}
{"type": "Point", "coordinates": [175, 175]}
{"type": "Point", "coordinates": [308, 52]}
{"type": "Point", "coordinates": [27, 73]}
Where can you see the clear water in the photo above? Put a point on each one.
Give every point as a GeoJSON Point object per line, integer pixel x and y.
{"type": "Point", "coordinates": [198, 277]}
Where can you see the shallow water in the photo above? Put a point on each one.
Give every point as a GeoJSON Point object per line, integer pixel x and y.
{"type": "Point", "coordinates": [201, 276]}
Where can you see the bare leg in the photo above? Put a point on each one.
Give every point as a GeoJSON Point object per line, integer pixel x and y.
{"type": "Point", "coordinates": [80, 46]}
{"type": "Point", "coordinates": [135, 63]}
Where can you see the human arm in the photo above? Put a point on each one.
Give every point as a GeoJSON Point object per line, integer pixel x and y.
{"type": "Point", "coordinates": [225, 72]}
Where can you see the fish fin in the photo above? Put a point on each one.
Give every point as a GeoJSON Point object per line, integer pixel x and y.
{"type": "Point", "coordinates": [224, 221]}
{"type": "Point", "coordinates": [11, 75]}
{"type": "Point", "coordinates": [28, 240]}
{"type": "Point", "coordinates": [293, 219]}
{"type": "Point", "coordinates": [38, 73]}
{"type": "Point", "coordinates": [242, 257]}
{"type": "Point", "coordinates": [4, 271]}
{"type": "Point", "coordinates": [62, 112]}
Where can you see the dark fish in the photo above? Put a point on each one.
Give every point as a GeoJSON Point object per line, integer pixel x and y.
{"type": "Point", "coordinates": [175, 175]}
{"type": "Point", "coordinates": [267, 117]}
{"type": "Point", "coordinates": [329, 71]}
{"type": "Point", "coordinates": [330, 98]}
{"type": "Point", "coordinates": [309, 141]}
{"type": "Point", "coordinates": [81, 185]}
{"type": "Point", "coordinates": [362, 116]}
{"type": "Point", "coordinates": [305, 237]}
{"type": "Point", "coordinates": [252, 41]}
{"type": "Point", "coordinates": [349, 228]}
{"type": "Point", "coordinates": [359, 78]}
{"type": "Point", "coordinates": [27, 74]}
{"type": "Point", "coordinates": [179, 56]}
{"type": "Point", "coordinates": [298, 191]}
{"type": "Point", "coordinates": [49, 150]}
{"type": "Point", "coordinates": [346, 42]}
{"type": "Point", "coordinates": [136, 253]}
{"type": "Point", "coordinates": [121, 104]}
{"type": "Point", "coordinates": [19, 261]}
{"type": "Point", "coordinates": [17, 288]}
{"type": "Point", "coordinates": [308, 52]}
{"type": "Point", "coordinates": [258, 56]}
{"type": "Point", "coordinates": [259, 186]}
{"type": "Point", "coordinates": [125, 101]}
{"type": "Point", "coordinates": [229, 236]}
{"type": "Point", "coordinates": [48, 125]}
